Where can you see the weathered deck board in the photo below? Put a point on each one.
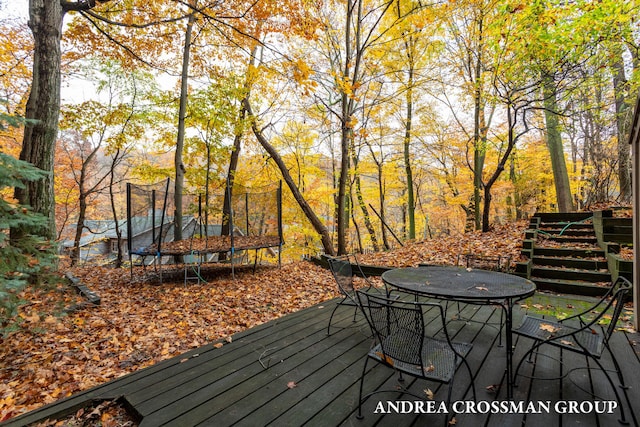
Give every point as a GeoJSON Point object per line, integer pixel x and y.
{"type": "Point", "coordinates": [245, 382]}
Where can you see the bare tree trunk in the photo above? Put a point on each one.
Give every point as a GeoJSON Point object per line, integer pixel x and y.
{"type": "Point", "coordinates": [554, 144]}
{"type": "Point", "coordinates": [486, 210]}
{"type": "Point", "coordinates": [385, 240]}
{"type": "Point", "coordinates": [623, 121]}
{"type": "Point", "coordinates": [235, 154]}
{"type": "Point", "coordinates": [411, 208]}
{"type": "Point", "coordinates": [114, 211]}
{"type": "Point", "coordinates": [308, 211]}
{"type": "Point", "coordinates": [363, 207]}
{"type": "Point", "coordinates": [479, 132]}
{"type": "Point", "coordinates": [82, 215]}
{"type": "Point", "coordinates": [43, 107]}
{"type": "Point", "coordinates": [179, 165]}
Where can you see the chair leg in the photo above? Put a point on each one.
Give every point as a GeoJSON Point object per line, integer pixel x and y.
{"type": "Point", "coordinates": [473, 383]}
{"type": "Point", "coordinates": [332, 313]}
{"type": "Point", "coordinates": [623, 418]}
{"type": "Point", "coordinates": [449, 390]}
{"type": "Point", "coordinates": [501, 326]}
{"type": "Point", "coordinates": [617, 366]}
{"type": "Point", "coordinates": [527, 356]}
{"type": "Point", "coordinates": [364, 370]}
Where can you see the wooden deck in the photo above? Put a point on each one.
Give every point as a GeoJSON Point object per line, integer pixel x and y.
{"type": "Point", "coordinates": [288, 372]}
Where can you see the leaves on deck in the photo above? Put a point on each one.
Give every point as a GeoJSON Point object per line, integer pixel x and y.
{"type": "Point", "coordinates": [549, 328]}
{"type": "Point", "coordinates": [429, 393]}
{"type": "Point", "coordinates": [139, 324]}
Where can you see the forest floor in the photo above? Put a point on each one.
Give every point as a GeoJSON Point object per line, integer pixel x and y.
{"type": "Point", "coordinates": [58, 352]}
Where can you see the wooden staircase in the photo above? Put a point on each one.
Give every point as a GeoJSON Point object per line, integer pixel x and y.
{"type": "Point", "coordinates": [563, 254]}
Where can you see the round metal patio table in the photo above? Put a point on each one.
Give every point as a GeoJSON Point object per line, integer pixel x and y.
{"type": "Point", "coordinates": [467, 285]}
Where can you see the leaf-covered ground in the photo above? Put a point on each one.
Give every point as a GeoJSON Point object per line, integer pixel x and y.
{"type": "Point", "coordinates": [138, 323]}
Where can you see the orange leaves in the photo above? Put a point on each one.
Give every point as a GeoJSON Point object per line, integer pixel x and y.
{"type": "Point", "coordinates": [504, 240]}
{"type": "Point", "coordinates": [301, 71]}
{"type": "Point", "coordinates": [138, 324]}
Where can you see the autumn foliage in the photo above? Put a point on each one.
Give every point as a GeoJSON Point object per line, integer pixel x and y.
{"type": "Point", "coordinates": [139, 323]}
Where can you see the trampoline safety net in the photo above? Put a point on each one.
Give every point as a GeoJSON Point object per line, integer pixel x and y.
{"type": "Point", "coordinates": [252, 220]}
{"type": "Point", "coordinates": [150, 210]}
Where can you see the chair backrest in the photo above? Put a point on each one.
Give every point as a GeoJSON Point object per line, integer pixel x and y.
{"type": "Point", "coordinates": [618, 292]}
{"type": "Point", "coordinates": [611, 304]}
{"type": "Point", "coordinates": [343, 274]}
{"type": "Point", "coordinates": [485, 262]}
{"type": "Point", "coordinates": [397, 326]}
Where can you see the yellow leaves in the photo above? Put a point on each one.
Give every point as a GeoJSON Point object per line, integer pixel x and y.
{"type": "Point", "coordinates": [346, 86]}
{"type": "Point", "coordinates": [301, 71]}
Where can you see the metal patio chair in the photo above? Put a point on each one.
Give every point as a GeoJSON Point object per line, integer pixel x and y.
{"type": "Point", "coordinates": [342, 269]}
{"type": "Point", "coordinates": [582, 333]}
{"type": "Point", "coordinates": [402, 343]}
{"type": "Point", "coordinates": [484, 262]}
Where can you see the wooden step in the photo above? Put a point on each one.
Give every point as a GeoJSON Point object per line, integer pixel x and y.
{"type": "Point", "coordinates": [563, 216]}
{"type": "Point", "coordinates": [569, 252]}
{"type": "Point", "coordinates": [567, 232]}
{"type": "Point", "coordinates": [624, 238]}
{"type": "Point", "coordinates": [590, 276]}
{"type": "Point", "coordinates": [569, 262]}
{"type": "Point", "coordinates": [571, 239]}
{"type": "Point", "coordinates": [573, 287]}
{"type": "Point", "coordinates": [567, 225]}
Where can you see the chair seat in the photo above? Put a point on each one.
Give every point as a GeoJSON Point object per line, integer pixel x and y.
{"type": "Point", "coordinates": [440, 360]}
{"type": "Point", "coordinates": [569, 338]}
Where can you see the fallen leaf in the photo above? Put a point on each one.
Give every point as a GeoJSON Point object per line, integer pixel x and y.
{"type": "Point", "coordinates": [549, 328]}
{"type": "Point", "coordinates": [50, 320]}
{"type": "Point", "coordinates": [565, 342]}
{"type": "Point", "coordinates": [292, 384]}
{"type": "Point", "coordinates": [218, 345]}
{"type": "Point", "coordinates": [429, 393]}
{"type": "Point", "coordinates": [492, 388]}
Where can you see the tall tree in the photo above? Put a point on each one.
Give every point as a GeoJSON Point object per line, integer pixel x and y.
{"type": "Point", "coordinates": [317, 224]}
{"type": "Point", "coordinates": [43, 106]}
{"type": "Point", "coordinates": [182, 113]}
{"type": "Point", "coordinates": [348, 40]}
